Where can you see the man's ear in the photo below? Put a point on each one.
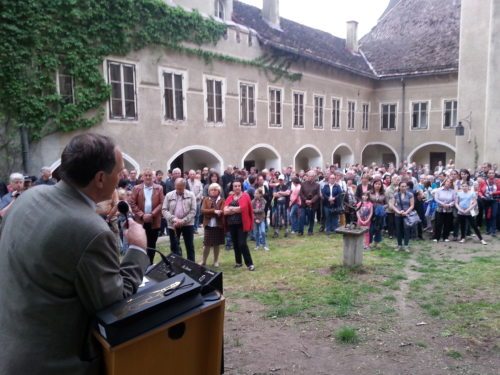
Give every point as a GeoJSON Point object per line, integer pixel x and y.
{"type": "Point", "coordinates": [99, 179]}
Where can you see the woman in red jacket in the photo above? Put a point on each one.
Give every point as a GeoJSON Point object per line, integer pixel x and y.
{"type": "Point", "coordinates": [238, 213]}
{"type": "Point", "coordinates": [489, 192]}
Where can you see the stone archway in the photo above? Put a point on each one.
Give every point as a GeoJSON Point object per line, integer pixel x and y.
{"type": "Point", "coordinates": [308, 157]}
{"type": "Point", "coordinates": [261, 156]}
{"type": "Point", "coordinates": [379, 153]}
{"type": "Point", "coordinates": [343, 155]}
{"type": "Point", "coordinates": [431, 153]}
{"type": "Point", "coordinates": [196, 157]}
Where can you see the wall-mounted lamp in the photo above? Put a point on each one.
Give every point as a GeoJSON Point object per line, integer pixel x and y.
{"type": "Point", "coordinates": [460, 129]}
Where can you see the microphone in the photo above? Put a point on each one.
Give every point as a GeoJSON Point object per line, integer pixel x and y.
{"type": "Point", "coordinates": [162, 256]}
{"type": "Point", "coordinates": [123, 208]}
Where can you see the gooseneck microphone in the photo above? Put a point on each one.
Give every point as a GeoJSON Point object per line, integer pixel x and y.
{"type": "Point", "coordinates": [124, 209]}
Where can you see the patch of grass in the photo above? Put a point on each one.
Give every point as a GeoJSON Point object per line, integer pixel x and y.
{"type": "Point", "coordinates": [347, 335]}
{"type": "Point", "coordinates": [454, 354]}
{"type": "Point", "coordinates": [393, 281]}
{"type": "Point", "coordinates": [421, 344]}
{"type": "Point", "coordinates": [390, 298]}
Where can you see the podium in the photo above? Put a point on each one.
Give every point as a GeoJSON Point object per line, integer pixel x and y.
{"type": "Point", "coordinates": [189, 344]}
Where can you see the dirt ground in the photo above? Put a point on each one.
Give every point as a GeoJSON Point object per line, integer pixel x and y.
{"type": "Point", "coordinates": [411, 343]}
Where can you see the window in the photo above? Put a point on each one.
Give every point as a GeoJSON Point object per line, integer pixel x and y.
{"type": "Point", "coordinates": [219, 9]}
{"type": "Point", "coordinates": [420, 117]}
{"type": "Point", "coordinates": [123, 103]}
{"type": "Point", "coordinates": [388, 118]}
{"type": "Point", "coordinates": [450, 113]}
{"type": "Point", "coordinates": [335, 113]}
{"type": "Point", "coordinates": [275, 108]}
{"type": "Point", "coordinates": [247, 103]}
{"type": "Point", "coordinates": [351, 108]}
{"type": "Point", "coordinates": [366, 114]}
{"type": "Point", "coordinates": [318, 112]}
{"type": "Point", "coordinates": [298, 110]}
{"type": "Point", "coordinates": [214, 101]}
{"type": "Point", "coordinates": [65, 87]}
{"type": "Point", "coordinates": [173, 96]}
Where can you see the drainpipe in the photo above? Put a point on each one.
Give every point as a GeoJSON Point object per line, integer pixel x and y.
{"type": "Point", "coordinates": [403, 113]}
{"type": "Point", "coordinates": [25, 148]}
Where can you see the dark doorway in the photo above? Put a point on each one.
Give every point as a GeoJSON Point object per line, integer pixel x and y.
{"type": "Point", "coordinates": [178, 163]}
{"type": "Point", "coordinates": [337, 159]}
{"type": "Point", "coordinates": [248, 164]}
{"type": "Point", "coordinates": [436, 157]}
{"type": "Point", "coordinates": [388, 159]}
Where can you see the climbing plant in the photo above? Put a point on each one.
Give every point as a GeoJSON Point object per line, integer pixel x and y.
{"type": "Point", "coordinates": [40, 37]}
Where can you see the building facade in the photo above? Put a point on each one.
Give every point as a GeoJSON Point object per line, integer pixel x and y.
{"type": "Point", "coordinates": [389, 97]}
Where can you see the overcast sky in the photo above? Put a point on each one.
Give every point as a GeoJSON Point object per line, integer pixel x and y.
{"type": "Point", "coordinates": [331, 15]}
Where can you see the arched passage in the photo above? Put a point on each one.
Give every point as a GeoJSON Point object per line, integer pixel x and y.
{"type": "Point", "coordinates": [379, 153]}
{"type": "Point", "coordinates": [130, 163]}
{"type": "Point", "coordinates": [261, 156]}
{"type": "Point", "coordinates": [308, 157]}
{"type": "Point", "coordinates": [431, 153]}
{"type": "Point", "coordinates": [343, 155]}
{"type": "Point", "coordinates": [195, 157]}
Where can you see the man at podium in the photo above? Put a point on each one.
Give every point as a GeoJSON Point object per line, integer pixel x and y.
{"type": "Point", "coordinates": [59, 264]}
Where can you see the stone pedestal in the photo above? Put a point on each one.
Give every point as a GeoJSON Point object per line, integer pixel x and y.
{"type": "Point", "coordinates": [353, 245]}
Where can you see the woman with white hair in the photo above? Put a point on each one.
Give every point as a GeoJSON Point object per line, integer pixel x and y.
{"type": "Point", "coordinates": [212, 209]}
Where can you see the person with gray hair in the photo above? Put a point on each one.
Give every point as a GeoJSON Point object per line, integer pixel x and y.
{"type": "Point", "coordinates": [16, 183]}
{"type": "Point", "coordinates": [45, 177]}
{"type": "Point", "coordinates": [179, 209]}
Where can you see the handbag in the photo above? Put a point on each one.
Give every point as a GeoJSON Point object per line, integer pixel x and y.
{"type": "Point", "coordinates": [380, 211]}
{"type": "Point", "coordinates": [412, 219]}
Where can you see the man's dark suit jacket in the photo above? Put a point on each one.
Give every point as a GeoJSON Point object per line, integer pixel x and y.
{"type": "Point", "coordinates": [59, 264]}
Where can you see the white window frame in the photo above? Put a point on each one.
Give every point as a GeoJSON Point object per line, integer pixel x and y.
{"type": "Point", "coordinates": [428, 110]}
{"type": "Point", "coordinates": [396, 104]}
{"type": "Point", "coordinates": [255, 95]}
{"type": "Point", "coordinates": [122, 63]}
{"type": "Point", "coordinates": [363, 128]}
{"type": "Point", "coordinates": [205, 101]}
{"type": "Point", "coordinates": [453, 124]}
{"type": "Point", "coordinates": [339, 127]}
{"type": "Point", "coordinates": [269, 123]}
{"type": "Point", "coordinates": [319, 116]}
{"type": "Point", "coordinates": [304, 103]}
{"type": "Point", "coordinates": [184, 74]}
{"type": "Point", "coordinates": [220, 7]}
{"type": "Point", "coordinates": [353, 128]}
{"type": "Point", "coordinates": [58, 85]}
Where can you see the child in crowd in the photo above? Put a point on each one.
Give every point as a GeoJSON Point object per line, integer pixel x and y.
{"type": "Point", "coordinates": [258, 205]}
{"type": "Point", "coordinates": [364, 214]}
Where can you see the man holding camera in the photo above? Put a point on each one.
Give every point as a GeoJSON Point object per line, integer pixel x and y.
{"type": "Point", "coordinates": [17, 187]}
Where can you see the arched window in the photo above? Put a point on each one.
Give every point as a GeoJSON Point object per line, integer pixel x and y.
{"type": "Point", "coordinates": [219, 9]}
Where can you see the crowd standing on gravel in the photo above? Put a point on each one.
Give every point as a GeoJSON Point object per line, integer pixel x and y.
{"type": "Point", "coordinates": [403, 203]}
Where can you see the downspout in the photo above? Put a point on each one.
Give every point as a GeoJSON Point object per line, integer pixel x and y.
{"type": "Point", "coordinates": [403, 113]}
{"type": "Point", "coordinates": [24, 148]}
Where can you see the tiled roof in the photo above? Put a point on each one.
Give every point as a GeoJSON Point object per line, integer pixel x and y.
{"type": "Point", "coordinates": [415, 37]}
{"type": "Point", "coordinates": [412, 37]}
{"type": "Point", "coordinates": [305, 41]}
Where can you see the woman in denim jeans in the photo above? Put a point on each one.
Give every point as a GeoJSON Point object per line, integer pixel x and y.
{"type": "Point", "coordinates": [259, 226]}
{"type": "Point", "coordinates": [402, 203]}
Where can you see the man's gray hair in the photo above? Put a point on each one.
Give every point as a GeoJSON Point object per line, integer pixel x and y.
{"type": "Point", "coordinates": [16, 177]}
{"type": "Point", "coordinates": [45, 169]}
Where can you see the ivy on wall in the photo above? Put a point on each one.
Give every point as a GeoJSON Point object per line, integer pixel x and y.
{"type": "Point", "coordinates": [40, 37]}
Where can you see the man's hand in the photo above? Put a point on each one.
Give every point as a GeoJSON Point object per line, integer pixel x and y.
{"type": "Point", "coordinates": [147, 218]}
{"type": "Point", "coordinates": [136, 235]}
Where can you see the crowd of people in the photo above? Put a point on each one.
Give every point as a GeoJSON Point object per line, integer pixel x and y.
{"type": "Point", "coordinates": [402, 203]}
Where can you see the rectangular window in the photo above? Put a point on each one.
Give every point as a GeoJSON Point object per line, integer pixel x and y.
{"type": "Point", "coordinates": [388, 117]}
{"type": "Point", "coordinates": [275, 108]}
{"type": "Point", "coordinates": [366, 114]}
{"type": "Point", "coordinates": [173, 96]}
{"type": "Point", "coordinates": [247, 104]}
{"type": "Point", "coordinates": [450, 113]}
{"type": "Point", "coordinates": [351, 109]}
{"type": "Point", "coordinates": [214, 101]}
{"type": "Point", "coordinates": [318, 112]}
{"type": "Point", "coordinates": [65, 87]}
{"type": "Point", "coordinates": [123, 102]}
{"type": "Point", "coordinates": [219, 9]}
{"type": "Point", "coordinates": [335, 113]}
{"type": "Point", "coordinates": [420, 115]}
{"type": "Point", "coordinates": [298, 110]}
